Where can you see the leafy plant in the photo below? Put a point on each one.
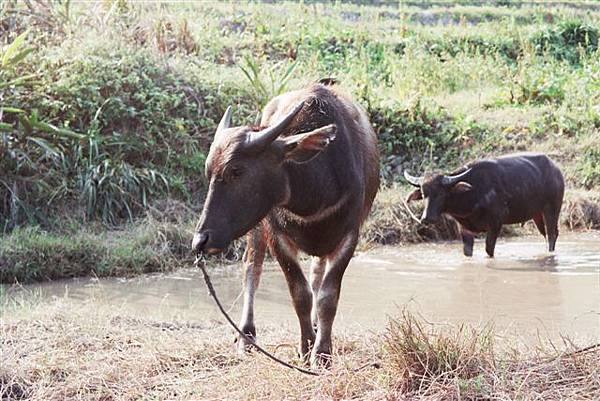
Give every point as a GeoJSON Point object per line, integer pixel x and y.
{"type": "Point", "coordinates": [117, 190]}
{"type": "Point", "coordinates": [28, 145]}
{"type": "Point", "coordinates": [273, 85]}
{"type": "Point", "coordinates": [41, 161]}
{"type": "Point", "coordinates": [110, 187]}
{"type": "Point", "coordinates": [589, 168]}
{"type": "Point", "coordinates": [537, 85]}
{"type": "Point", "coordinates": [567, 40]}
{"type": "Point", "coordinates": [420, 135]}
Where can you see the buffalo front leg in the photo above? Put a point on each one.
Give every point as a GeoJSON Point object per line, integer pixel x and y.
{"type": "Point", "coordinates": [328, 297]}
{"type": "Point", "coordinates": [253, 259]}
{"type": "Point", "coordinates": [490, 239]}
{"type": "Point", "coordinates": [317, 269]}
{"type": "Point", "coordinates": [286, 254]}
{"type": "Point", "coordinates": [468, 241]}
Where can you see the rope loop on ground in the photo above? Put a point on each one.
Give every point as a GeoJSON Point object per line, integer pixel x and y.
{"type": "Point", "coordinates": [199, 262]}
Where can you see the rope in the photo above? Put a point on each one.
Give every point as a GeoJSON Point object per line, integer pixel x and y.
{"type": "Point", "coordinates": [410, 212]}
{"type": "Point", "coordinates": [199, 262]}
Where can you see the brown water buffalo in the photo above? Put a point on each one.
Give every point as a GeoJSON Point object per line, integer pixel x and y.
{"type": "Point", "coordinates": [304, 180]}
{"type": "Point", "coordinates": [485, 194]}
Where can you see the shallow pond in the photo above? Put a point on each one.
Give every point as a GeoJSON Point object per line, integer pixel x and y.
{"type": "Point", "coordinates": [524, 289]}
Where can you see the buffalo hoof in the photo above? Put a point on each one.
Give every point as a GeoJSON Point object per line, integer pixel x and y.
{"type": "Point", "coordinates": [304, 358]}
{"type": "Point", "coordinates": [244, 345]}
{"type": "Point", "coordinates": [320, 360]}
{"type": "Point", "coordinates": [468, 252]}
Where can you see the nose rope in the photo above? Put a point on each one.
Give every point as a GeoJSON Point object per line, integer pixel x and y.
{"type": "Point", "coordinates": [200, 262]}
{"type": "Point", "coordinates": [410, 212]}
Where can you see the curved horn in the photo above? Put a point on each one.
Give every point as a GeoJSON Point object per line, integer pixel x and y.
{"type": "Point", "coordinates": [268, 135]}
{"type": "Point", "coordinates": [223, 124]}
{"type": "Point", "coordinates": [225, 120]}
{"type": "Point", "coordinates": [453, 179]}
{"type": "Point", "coordinates": [416, 181]}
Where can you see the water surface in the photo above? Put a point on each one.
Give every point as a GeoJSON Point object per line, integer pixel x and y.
{"type": "Point", "coordinates": [524, 289]}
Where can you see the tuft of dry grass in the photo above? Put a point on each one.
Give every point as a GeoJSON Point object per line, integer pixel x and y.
{"type": "Point", "coordinates": [74, 351]}
{"type": "Point", "coordinates": [581, 211]}
{"type": "Point", "coordinates": [426, 357]}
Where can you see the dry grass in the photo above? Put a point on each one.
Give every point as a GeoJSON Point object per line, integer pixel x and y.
{"type": "Point", "coordinates": [426, 358]}
{"type": "Point", "coordinates": [67, 351]}
{"type": "Point", "coordinates": [581, 210]}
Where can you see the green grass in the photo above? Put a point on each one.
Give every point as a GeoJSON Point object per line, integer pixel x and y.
{"type": "Point", "coordinates": [29, 254]}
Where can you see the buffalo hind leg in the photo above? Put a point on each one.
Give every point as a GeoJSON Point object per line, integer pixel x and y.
{"type": "Point", "coordinates": [468, 241]}
{"type": "Point", "coordinates": [253, 259]}
{"type": "Point", "coordinates": [551, 220]}
{"type": "Point", "coordinates": [490, 239]}
{"type": "Point", "coordinates": [539, 223]}
{"type": "Point", "coordinates": [317, 269]}
{"type": "Point", "coordinates": [328, 298]}
{"type": "Point", "coordinates": [300, 291]}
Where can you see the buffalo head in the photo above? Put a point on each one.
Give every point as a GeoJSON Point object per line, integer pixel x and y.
{"type": "Point", "coordinates": [247, 177]}
{"type": "Point", "coordinates": [436, 190]}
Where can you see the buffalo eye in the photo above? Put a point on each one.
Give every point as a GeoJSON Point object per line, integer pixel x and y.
{"type": "Point", "coordinates": [233, 173]}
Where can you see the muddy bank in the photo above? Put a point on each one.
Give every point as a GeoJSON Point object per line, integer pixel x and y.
{"type": "Point", "coordinates": [160, 241]}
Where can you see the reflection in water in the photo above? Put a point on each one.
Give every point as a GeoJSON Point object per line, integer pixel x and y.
{"type": "Point", "coordinates": [546, 263]}
{"type": "Point", "coordinates": [522, 289]}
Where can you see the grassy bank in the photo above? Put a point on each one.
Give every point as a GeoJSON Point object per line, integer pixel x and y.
{"type": "Point", "coordinates": [107, 111]}
{"type": "Point", "coordinates": [63, 351]}
{"type": "Point", "coordinates": [160, 241]}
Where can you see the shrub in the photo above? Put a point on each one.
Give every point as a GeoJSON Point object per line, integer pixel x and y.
{"type": "Point", "coordinates": [535, 84]}
{"type": "Point", "coordinates": [420, 136]}
{"type": "Point", "coordinates": [567, 40]}
{"type": "Point", "coordinates": [589, 167]}
{"type": "Point", "coordinates": [134, 117]}
{"type": "Point", "coordinates": [30, 149]}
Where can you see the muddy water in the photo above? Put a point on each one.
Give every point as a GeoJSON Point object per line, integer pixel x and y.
{"type": "Point", "coordinates": [524, 289]}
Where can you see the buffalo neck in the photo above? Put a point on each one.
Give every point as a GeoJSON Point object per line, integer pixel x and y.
{"type": "Point", "coordinates": [460, 204]}
{"type": "Point", "coordinates": [312, 187]}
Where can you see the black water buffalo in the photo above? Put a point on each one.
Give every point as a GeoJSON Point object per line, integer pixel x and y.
{"type": "Point", "coordinates": [485, 194]}
{"type": "Point", "coordinates": [304, 180]}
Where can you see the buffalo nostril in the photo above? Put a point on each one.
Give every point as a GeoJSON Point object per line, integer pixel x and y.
{"type": "Point", "coordinates": [200, 239]}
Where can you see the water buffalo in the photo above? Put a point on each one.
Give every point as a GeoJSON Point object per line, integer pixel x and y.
{"type": "Point", "coordinates": [485, 194]}
{"type": "Point", "coordinates": [304, 180]}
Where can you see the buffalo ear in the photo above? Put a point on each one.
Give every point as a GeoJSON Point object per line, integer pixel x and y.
{"type": "Point", "coordinates": [415, 195]}
{"type": "Point", "coordinates": [301, 148]}
{"type": "Point", "coordinates": [461, 187]}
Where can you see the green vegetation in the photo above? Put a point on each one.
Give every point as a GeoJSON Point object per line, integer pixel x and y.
{"type": "Point", "coordinates": [108, 110]}
{"type": "Point", "coordinates": [29, 254]}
